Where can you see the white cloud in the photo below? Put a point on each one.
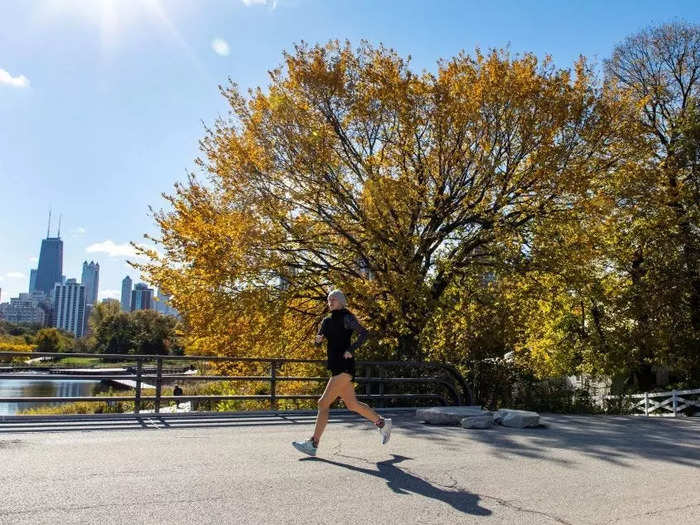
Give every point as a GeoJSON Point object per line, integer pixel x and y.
{"type": "Point", "coordinates": [220, 47]}
{"type": "Point", "coordinates": [5, 78]}
{"type": "Point", "coordinates": [79, 230]}
{"type": "Point", "coordinates": [15, 275]}
{"type": "Point", "coordinates": [112, 249]}
{"type": "Point", "coordinates": [33, 259]}
{"type": "Point", "coordinates": [110, 294]}
{"type": "Point", "coordinates": [271, 3]}
{"type": "Point", "coordinates": [115, 250]}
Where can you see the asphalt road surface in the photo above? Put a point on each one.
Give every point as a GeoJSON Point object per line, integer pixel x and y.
{"type": "Point", "coordinates": [242, 469]}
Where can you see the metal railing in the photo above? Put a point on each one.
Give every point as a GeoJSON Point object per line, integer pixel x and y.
{"type": "Point", "coordinates": [444, 384]}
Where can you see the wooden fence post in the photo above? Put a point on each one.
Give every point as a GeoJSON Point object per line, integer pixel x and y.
{"type": "Point", "coordinates": [646, 403]}
{"type": "Point", "coordinates": [675, 404]}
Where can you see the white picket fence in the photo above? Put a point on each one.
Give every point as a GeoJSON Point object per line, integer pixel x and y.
{"type": "Point", "coordinates": [669, 404]}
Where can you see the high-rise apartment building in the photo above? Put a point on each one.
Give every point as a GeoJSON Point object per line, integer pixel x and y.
{"type": "Point", "coordinates": [126, 294]}
{"type": "Point", "coordinates": [69, 307]}
{"type": "Point", "coordinates": [163, 306]}
{"type": "Point", "coordinates": [141, 297]}
{"type": "Point", "coordinates": [91, 280]}
{"type": "Point", "coordinates": [27, 308]}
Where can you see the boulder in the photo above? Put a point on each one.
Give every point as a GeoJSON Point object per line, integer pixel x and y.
{"type": "Point", "coordinates": [447, 415]}
{"type": "Point", "coordinates": [517, 418]}
{"type": "Point", "coordinates": [484, 420]}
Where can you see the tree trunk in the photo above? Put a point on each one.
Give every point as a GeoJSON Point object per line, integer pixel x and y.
{"type": "Point", "coordinates": [409, 347]}
{"type": "Point", "coordinates": [690, 246]}
{"type": "Point", "coordinates": [639, 299]}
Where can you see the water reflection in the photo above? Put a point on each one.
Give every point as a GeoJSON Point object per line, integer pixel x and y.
{"type": "Point", "coordinates": [44, 388]}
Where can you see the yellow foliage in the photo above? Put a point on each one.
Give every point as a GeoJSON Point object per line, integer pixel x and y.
{"type": "Point", "coordinates": [350, 170]}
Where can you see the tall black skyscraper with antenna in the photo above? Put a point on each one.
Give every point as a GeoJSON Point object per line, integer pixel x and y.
{"type": "Point", "coordinates": [50, 269]}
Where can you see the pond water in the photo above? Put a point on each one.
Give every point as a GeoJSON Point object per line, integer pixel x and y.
{"type": "Point", "coordinates": [44, 388]}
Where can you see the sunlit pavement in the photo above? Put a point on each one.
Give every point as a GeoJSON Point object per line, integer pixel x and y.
{"type": "Point", "coordinates": [185, 468]}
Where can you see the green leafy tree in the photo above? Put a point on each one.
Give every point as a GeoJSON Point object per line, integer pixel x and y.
{"type": "Point", "coordinates": [100, 312]}
{"type": "Point", "coordinates": [154, 333]}
{"type": "Point", "coordinates": [53, 340]}
{"type": "Point", "coordinates": [115, 334]}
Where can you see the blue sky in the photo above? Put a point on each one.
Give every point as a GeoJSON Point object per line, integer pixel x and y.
{"type": "Point", "coordinates": [102, 102]}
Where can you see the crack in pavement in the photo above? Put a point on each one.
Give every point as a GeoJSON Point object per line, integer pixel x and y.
{"type": "Point", "coordinates": [654, 512]}
{"type": "Point", "coordinates": [105, 505]}
{"type": "Point", "coordinates": [454, 485]}
{"type": "Point", "coordinates": [500, 501]}
{"type": "Point", "coordinates": [512, 506]}
{"type": "Point", "coordinates": [11, 443]}
{"type": "Point", "coordinates": [335, 452]}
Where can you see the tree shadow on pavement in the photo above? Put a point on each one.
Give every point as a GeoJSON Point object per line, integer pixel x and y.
{"type": "Point", "coordinates": [403, 482]}
{"type": "Point", "coordinates": [616, 439]}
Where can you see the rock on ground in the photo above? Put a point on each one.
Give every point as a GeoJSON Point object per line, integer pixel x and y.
{"type": "Point", "coordinates": [517, 418]}
{"type": "Point", "coordinates": [447, 415]}
{"type": "Point", "coordinates": [480, 421]}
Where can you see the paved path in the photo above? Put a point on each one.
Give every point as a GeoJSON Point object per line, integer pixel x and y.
{"type": "Point", "coordinates": [184, 469]}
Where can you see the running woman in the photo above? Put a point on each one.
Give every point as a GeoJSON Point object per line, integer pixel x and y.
{"type": "Point", "coordinates": [337, 330]}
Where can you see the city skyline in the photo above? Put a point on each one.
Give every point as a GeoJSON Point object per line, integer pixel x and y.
{"type": "Point", "coordinates": [52, 248]}
{"type": "Point", "coordinates": [54, 272]}
{"type": "Point", "coordinates": [106, 107]}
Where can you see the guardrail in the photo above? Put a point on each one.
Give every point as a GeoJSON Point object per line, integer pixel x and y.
{"type": "Point", "coordinates": [377, 377]}
{"type": "Point", "coordinates": [670, 403]}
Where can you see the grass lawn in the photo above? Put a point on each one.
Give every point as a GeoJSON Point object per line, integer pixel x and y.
{"type": "Point", "coordinates": [92, 362]}
{"type": "Point", "coordinates": [100, 362]}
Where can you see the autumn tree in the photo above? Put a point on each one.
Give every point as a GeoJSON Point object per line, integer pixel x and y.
{"type": "Point", "coordinates": [352, 170]}
{"type": "Point", "coordinates": [609, 289]}
{"type": "Point", "coordinates": [657, 212]}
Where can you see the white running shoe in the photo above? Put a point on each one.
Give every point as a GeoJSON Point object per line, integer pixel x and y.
{"type": "Point", "coordinates": [307, 447]}
{"type": "Point", "coordinates": [385, 431]}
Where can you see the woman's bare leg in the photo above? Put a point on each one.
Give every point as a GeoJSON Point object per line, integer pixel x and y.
{"type": "Point", "coordinates": [347, 393]}
{"type": "Point", "coordinates": [330, 394]}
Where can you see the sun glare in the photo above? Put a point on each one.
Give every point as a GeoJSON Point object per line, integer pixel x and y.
{"type": "Point", "coordinates": [112, 18]}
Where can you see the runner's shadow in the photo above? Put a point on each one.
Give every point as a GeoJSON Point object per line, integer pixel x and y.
{"type": "Point", "coordinates": [402, 482]}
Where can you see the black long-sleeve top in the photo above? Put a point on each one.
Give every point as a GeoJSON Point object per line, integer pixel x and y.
{"type": "Point", "coordinates": [338, 328]}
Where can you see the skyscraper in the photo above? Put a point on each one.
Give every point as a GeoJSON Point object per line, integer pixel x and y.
{"type": "Point", "coordinates": [50, 269]}
{"type": "Point", "coordinates": [69, 307]}
{"type": "Point", "coordinates": [162, 304]}
{"type": "Point", "coordinates": [142, 297]}
{"type": "Point", "coordinates": [91, 280]}
{"type": "Point", "coordinates": [126, 294]}
{"type": "Point", "coordinates": [32, 280]}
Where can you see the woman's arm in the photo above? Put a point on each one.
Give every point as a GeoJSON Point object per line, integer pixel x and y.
{"type": "Point", "coordinates": [320, 335]}
{"type": "Point", "coordinates": [351, 323]}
